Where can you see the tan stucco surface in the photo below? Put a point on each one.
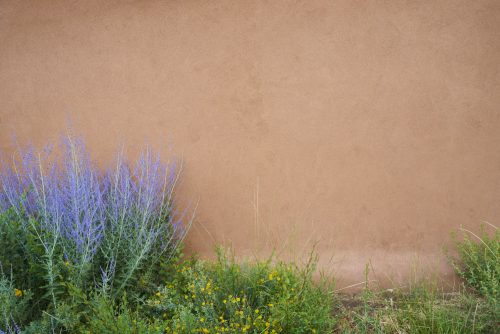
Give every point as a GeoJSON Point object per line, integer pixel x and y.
{"type": "Point", "coordinates": [369, 127]}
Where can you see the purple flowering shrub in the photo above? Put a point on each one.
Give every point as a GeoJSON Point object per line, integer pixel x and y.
{"type": "Point", "coordinates": [68, 226]}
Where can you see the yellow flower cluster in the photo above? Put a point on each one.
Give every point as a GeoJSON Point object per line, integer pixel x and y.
{"type": "Point", "coordinates": [235, 313]}
{"type": "Point", "coordinates": [18, 292]}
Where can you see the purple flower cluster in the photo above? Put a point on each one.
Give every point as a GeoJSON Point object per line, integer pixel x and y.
{"type": "Point", "coordinates": [124, 214]}
{"type": "Point", "coordinates": [11, 327]}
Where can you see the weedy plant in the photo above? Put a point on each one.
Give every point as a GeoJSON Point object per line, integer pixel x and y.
{"type": "Point", "coordinates": [70, 231]}
{"type": "Point", "coordinates": [12, 306]}
{"type": "Point", "coordinates": [424, 309]}
{"type": "Point", "coordinates": [229, 297]}
{"type": "Point", "coordinates": [478, 262]}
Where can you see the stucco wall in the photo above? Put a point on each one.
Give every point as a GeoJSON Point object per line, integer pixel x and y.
{"type": "Point", "coordinates": [370, 127]}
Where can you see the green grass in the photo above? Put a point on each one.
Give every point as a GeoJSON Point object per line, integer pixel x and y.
{"type": "Point", "coordinates": [425, 308]}
{"type": "Point", "coordinates": [265, 297]}
{"type": "Point", "coordinates": [258, 297]}
{"type": "Point", "coordinates": [422, 310]}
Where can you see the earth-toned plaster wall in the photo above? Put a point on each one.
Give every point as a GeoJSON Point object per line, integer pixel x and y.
{"type": "Point", "coordinates": [368, 128]}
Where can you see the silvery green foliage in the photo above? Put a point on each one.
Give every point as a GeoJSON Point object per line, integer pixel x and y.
{"type": "Point", "coordinates": [105, 225]}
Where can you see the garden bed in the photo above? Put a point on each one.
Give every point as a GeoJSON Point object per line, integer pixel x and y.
{"type": "Point", "coordinates": [90, 251]}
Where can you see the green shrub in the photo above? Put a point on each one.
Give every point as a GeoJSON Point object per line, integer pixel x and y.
{"type": "Point", "coordinates": [13, 304]}
{"type": "Point", "coordinates": [479, 263]}
{"type": "Point", "coordinates": [70, 231]}
{"type": "Point", "coordinates": [108, 317]}
{"type": "Point", "coordinates": [260, 297]}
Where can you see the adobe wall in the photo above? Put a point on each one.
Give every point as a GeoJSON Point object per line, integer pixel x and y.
{"type": "Point", "coordinates": [371, 128]}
